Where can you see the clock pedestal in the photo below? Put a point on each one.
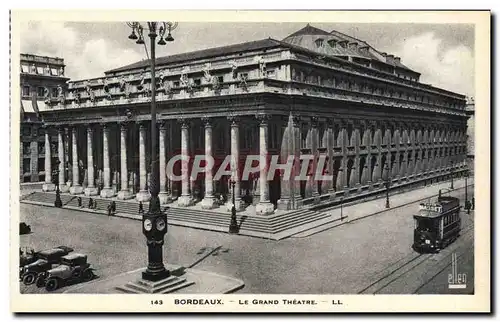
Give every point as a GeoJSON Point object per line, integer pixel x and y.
{"type": "Point", "coordinates": [164, 286]}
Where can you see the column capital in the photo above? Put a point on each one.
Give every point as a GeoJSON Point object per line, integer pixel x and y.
{"type": "Point", "coordinates": [142, 125]}
{"type": "Point", "coordinates": [330, 123]}
{"type": "Point", "coordinates": [105, 126]}
{"type": "Point", "coordinates": [234, 119]}
{"type": "Point", "coordinates": [207, 121]}
{"type": "Point", "coordinates": [263, 118]}
{"type": "Point", "coordinates": [314, 121]}
{"type": "Point", "coordinates": [184, 122]}
{"type": "Point", "coordinates": [163, 125]}
{"type": "Point", "coordinates": [90, 129]}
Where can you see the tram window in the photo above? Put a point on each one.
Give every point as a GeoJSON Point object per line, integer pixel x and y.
{"type": "Point", "coordinates": [425, 224]}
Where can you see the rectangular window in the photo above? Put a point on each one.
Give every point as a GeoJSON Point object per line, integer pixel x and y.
{"type": "Point", "coordinates": [271, 73]}
{"type": "Point", "coordinates": [24, 69]}
{"type": "Point", "coordinates": [26, 148]}
{"type": "Point", "coordinates": [40, 91]}
{"type": "Point", "coordinates": [26, 91]}
{"type": "Point", "coordinates": [54, 92]}
{"type": "Point", "coordinates": [220, 79]}
{"type": "Point", "coordinates": [197, 82]}
{"type": "Point", "coordinates": [176, 84]}
{"type": "Point", "coordinates": [26, 166]}
{"type": "Point", "coordinates": [41, 164]}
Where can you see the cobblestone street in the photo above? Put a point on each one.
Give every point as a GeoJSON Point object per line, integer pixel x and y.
{"type": "Point", "coordinates": [342, 259]}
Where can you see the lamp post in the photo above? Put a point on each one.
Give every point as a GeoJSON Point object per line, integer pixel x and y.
{"type": "Point", "coordinates": [341, 207]}
{"type": "Point", "coordinates": [466, 175]}
{"type": "Point", "coordinates": [233, 227]}
{"type": "Point", "coordinates": [55, 175]}
{"type": "Point", "coordinates": [387, 186]}
{"type": "Point", "coordinates": [451, 187]}
{"type": "Point", "coordinates": [154, 221]}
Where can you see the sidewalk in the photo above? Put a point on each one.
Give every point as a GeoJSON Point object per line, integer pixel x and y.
{"type": "Point", "coordinates": [365, 209]}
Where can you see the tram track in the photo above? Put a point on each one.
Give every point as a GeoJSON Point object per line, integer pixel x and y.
{"type": "Point", "coordinates": [407, 264]}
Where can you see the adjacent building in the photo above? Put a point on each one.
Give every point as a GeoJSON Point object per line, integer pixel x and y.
{"type": "Point", "coordinates": [316, 92]}
{"type": "Point", "coordinates": [470, 110]}
{"type": "Point", "coordinates": [42, 80]}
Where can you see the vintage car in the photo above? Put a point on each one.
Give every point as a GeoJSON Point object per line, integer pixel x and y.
{"type": "Point", "coordinates": [44, 260]}
{"type": "Point", "coordinates": [26, 256]}
{"type": "Point", "coordinates": [24, 228]}
{"type": "Point", "coordinates": [73, 268]}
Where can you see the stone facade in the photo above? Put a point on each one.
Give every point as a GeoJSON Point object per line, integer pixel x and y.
{"type": "Point", "coordinates": [42, 80]}
{"type": "Point", "coordinates": [361, 110]}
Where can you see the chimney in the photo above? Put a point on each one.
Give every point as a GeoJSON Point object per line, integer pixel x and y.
{"type": "Point", "coordinates": [390, 57]}
{"type": "Point", "coordinates": [398, 59]}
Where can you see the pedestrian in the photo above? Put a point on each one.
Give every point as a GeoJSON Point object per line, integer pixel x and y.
{"type": "Point", "coordinates": [91, 203]}
{"type": "Point", "coordinates": [473, 205]}
{"type": "Point", "coordinates": [79, 200]}
{"type": "Point", "coordinates": [141, 209]}
{"type": "Point", "coordinates": [113, 206]}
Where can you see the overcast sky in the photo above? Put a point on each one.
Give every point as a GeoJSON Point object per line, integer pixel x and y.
{"type": "Point", "coordinates": [442, 53]}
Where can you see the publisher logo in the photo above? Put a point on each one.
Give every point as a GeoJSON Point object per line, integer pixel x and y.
{"type": "Point", "coordinates": [456, 279]}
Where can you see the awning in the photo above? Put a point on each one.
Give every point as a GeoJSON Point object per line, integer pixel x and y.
{"type": "Point", "coordinates": [41, 106]}
{"type": "Point", "coordinates": [27, 106]}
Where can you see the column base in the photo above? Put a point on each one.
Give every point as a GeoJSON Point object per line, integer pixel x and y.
{"type": "Point", "coordinates": [165, 198]}
{"type": "Point", "coordinates": [285, 204]}
{"type": "Point", "coordinates": [185, 201]}
{"type": "Point", "coordinates": [124, 195]}
{"type": "Point", "coordinates": [91, 191]}
{"type": "Point", "coordinates": [208, 203]}
{"type": "Point", "coordinates": [63, 188]}
{"type": "Point", "coordinates": [143, 196]}
{"type": "Point", "coordinates": [76, 190]}
{"type": "Point", "coordinates": [239, 205]}
{"type": "Point", "coordinates": [48, 187]}
{"type": "Point", "coordinates": [107, 193]}
{"type": "Point", "coordinates": [264, 208]}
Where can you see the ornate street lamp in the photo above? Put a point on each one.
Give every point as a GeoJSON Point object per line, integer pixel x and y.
{"type": "Point", "coordinates": [154, 221]}
{"type": "Point", "coordinates": [233, 227]}
{"type": "Point", "coordinates": [467, 207]}
{"type": "Point", "coordinates": [451, 187]}
{"type": "Point", "coordinates": [341, 206]}
{"type": "Point", "coordinates": [387, 186]}
{"type": "Point", "coordinates": [55, 176]}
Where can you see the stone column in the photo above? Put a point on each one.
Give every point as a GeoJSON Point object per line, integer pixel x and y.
{"type": "Point", "coordinates": [66, 158]}
{"type": "Point", "coordinates": [286, 150]}
{"type": "Point", "coordinates": [185, 199]}
{"type": "Point", "coordinates": [76, 187]}
{"type": "Point", "coordinates": [143, 194]}
{"type": "Point", "coordinates": [315, 152]}
{"type": "Point", "coordinates": [328, 185]}
{"type": "Point", "coordinates": [48, 185]}
{"type": "Point", "coordinates": [208, 201]}
{"type": "Point", "coordinates": [164, 196]}
{"type": "Point", "coordinates": [295, 184]}
{"type": "Point", "coordinates": [61, 154]}
{"type": "Point", "coordinates": [106, 192]}
{"type": "Point", "coordinates": [264, 207]}
{"type": "Point", "coordinates": [235, 160]}
{"type": "Point", "coordinates": [91, 189]}
{"type": "Point", "coordinates": [124, 192]}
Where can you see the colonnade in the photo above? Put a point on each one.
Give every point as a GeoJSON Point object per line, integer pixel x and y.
{"type": "Point", "coordinates": [358, 154]}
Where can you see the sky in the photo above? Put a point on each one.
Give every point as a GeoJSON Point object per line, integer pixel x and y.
{"type": "Point", "coordinates": [442, 53]}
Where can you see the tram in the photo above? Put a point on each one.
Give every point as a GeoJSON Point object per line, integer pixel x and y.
{"type": "Point", "coordinates": [436, 225]}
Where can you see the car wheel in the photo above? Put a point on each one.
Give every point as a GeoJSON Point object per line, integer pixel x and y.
{"type": "Point", "coordinates": [87, 275]}
{"type": "Point", "coordinates": [29, 279]}
{"type": "Point", "coordinates": [40, 281]}
{"type": "Point", "coordinates": [52, 284]}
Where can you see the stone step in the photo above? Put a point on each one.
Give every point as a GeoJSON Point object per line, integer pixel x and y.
{"type": "Point", "coordinates": [169, 286]}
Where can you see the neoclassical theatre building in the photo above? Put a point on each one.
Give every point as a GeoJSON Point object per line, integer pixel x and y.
{"type": "Point", "coordinates": [315, 92]}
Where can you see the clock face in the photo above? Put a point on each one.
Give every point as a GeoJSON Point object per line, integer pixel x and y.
{"type": "Point", "coordinates": [160, 224]}
{"type": "Point", "coordinates": [148, 224]}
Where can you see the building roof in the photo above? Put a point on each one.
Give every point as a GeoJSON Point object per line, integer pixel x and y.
{"type": "Point", "coordinates": [303, 39]}
{"type": "Point", "coordinates": [204, 53]}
